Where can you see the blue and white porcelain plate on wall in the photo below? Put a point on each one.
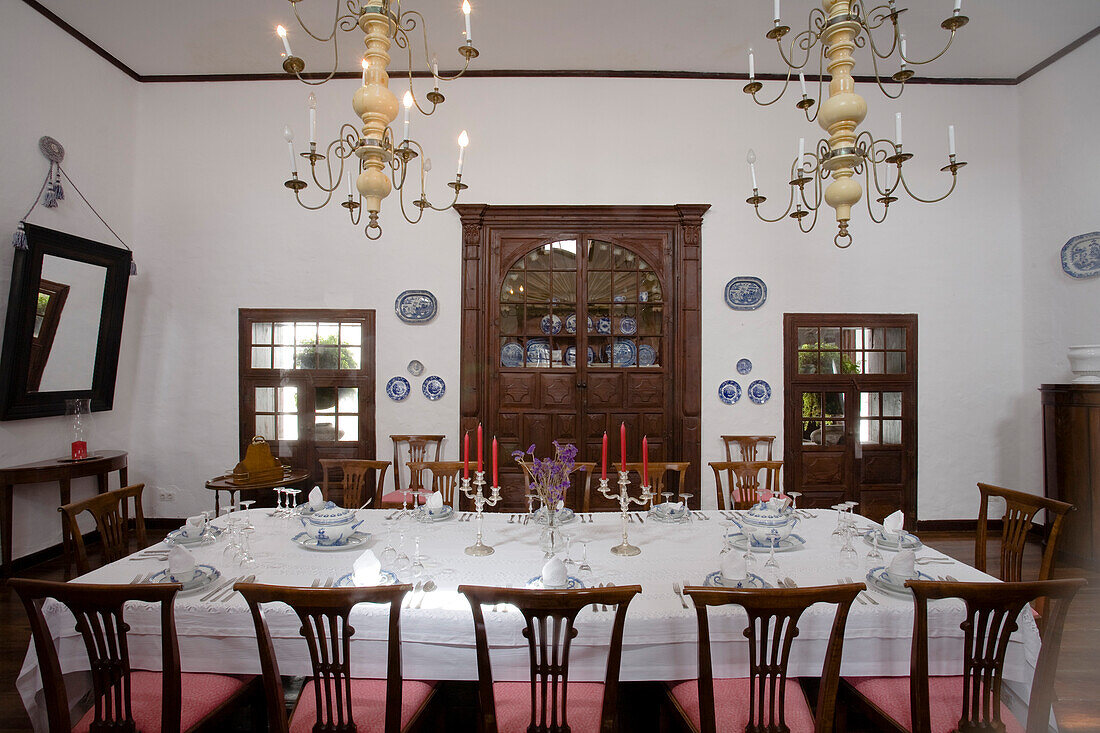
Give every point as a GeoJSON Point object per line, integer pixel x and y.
{"type": "Point", "coordinates": [628, 326]}
{"type": "Point", "coordinates": [434, 388]}
{"type": "Point", "coordinates": [744, 366]}
{"type": "Point", "coordinates": [1081, 255]}
{"type": "Point", "coordinates": [398, 389]}
{"type": "Point", "coordinates": [759, 392]}
{"type": "Point", "coordinates": [550, 324]}
{"type": "Point", "coordinates": [729, 391]}
{"type": "Point", "coordinates": [415, 368]}
{"type": "Point", "coordinates": [511, 355]}
{"type": "Point", "coordinates": [647, 355]}
{"type": "Point", "coordinates": [416, 306]}
{"type": "Point", "coordinates": [626, 353]}
{"type": "Point", "coordinates": [746, 293]}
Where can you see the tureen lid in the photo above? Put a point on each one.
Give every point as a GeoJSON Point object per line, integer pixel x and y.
{"type": "Point", "coordinates": [331, 515]}
{"type": "Point", "coordinates": [762, 513]}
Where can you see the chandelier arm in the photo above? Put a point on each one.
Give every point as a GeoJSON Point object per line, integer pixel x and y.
{"type": "Point", "coordinates": [905, 185]}
{"type": "Point", "coordinates": [878, 80]}
{"type": "Point", "coordinates": [781, 217]}
{"type": "Point", "coordinates": [427, 57]}
{"type": "Point", "coordinates": [302, 23]}
{"type": "Point", "coordinates": [356, 214]}
{"type": "Point", "coordinates": [328, 77]}
{"type": "Point", "coordinates": [779, 96]}
{"type": "Point", "coordinates": [805, 41]}
{"type": "Point", "coordinates": [867, 186]}
{"type": "Point", "coordinates": [950, 40]}
{"type": "Point", "coordinates": [401, 202]}
{"type": "Point", "coordinates": [333, 183]}
{"type": "Point", "coordinates": [874, 20]}
{"type": "Point", "coordinates": [813, 223]}
{"type": "Point", "coordinates": [448, 206]}
{"type": "Point", "coordinates": [412, 92]}
{"type": "Point", "coordinates": [820, 88]}
{"type": "Point", "coordinates": [323, 204]}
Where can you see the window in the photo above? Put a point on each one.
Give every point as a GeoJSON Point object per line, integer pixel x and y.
{"type": "Point", "coordinates": [307, 383]}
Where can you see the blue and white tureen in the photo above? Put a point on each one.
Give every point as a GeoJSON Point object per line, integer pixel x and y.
{"type": "Point", "coordinates": [767, 522]}
{"type": "Point", "coordinates": [332, 525]}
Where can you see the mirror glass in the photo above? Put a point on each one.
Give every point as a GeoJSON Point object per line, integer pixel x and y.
{"type": "Point", "coordinates": [66, 325]}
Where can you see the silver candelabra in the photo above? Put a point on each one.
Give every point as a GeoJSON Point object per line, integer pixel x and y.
{"type": "Point", "coordinates": [479, 548]}
{"type": "Point", "coordinates": [625, 500]}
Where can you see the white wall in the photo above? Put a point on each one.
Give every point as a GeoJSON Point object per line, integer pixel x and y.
{"type": "Point", "coordinates": [1058, 140]}
{"type": "Point", "coordinates": [55, 86]}
{"type": "Point", "coordinates": [215, 230]}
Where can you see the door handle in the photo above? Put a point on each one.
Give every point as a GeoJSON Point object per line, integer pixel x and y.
{"type": "Point", "coordinates": [582, 385]}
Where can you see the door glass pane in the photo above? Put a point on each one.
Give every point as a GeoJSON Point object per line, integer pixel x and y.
{"type": "Point", "coordinates": [563, 255]}
{"type": "Point", "coordinates": [538, 286]}
{"type": "Point", "coordinates": [265, 426]}
{"type": "Point", "coordinates": [265, 399]}
{"type": "Point", "coordinates": [324, 429]}
{"type": "Point", "coordinates": [351, 357]}
{"type": "Point", "coordinates": [288, 427]}
{"type": "Point", "coordinates": [284, 357]}
{"type": "Point", "coordinates": [891, 404]}
{"type": "Point", "coordinates": [599, 287]}
{"type": "Point", "coordinates": [869, 404]}
{"type": "Point", "coordinates": [348, 426]}
{"type": "Point", "coordinates": [512, 289]}
{"type": "Point", "coordinates": [807, 337]}
{"type": "Point", "coordinates": [830, 337]}
{"type": "Point", "coordinates": [284, 334]}
{"type": "Point", "coordinates": [626, 287]}
{"type": "Point", "coordinates": [599, 255]}
{"type": "Point", "coordinates": [834, 404]}
{"type": "Point", "coordinates": [261, 357]}
{"type": "Point", "coordinates": [349, 399]}
{"type": "Point", "coordinates": [873, 362]}
{"type": "Point", "coordinates": [351, 334]}
{"type": "Point", "coordinates": [262, 333]}
{"type": "Point", "coordinates": [811, 404]}
{"type": "Point", "coordinates": [895, 338]}
{"type": "Point", "coordinates": [649, 288]}
{"type": "Point", "coordinates": [288, 400]}
{"type": "Point", "coordinates": [891, 432]}
{"type": "Point", "coordinates": [807, 361]}
{"type": "Point", "coordinates": [509, 319]}
{"type": "Point", "coordinates": [650, 319]}
{"type": "Point", "coordinates": [538, 258]}
{"type": "Point", "coordinates": [895, 362]}
{"type": "Point", "coordinates": [325, 399]}
{"type": "Point", "coordinates": [305, 333]}
{"type": "Point", "coordinates": [811, 432]}
{"type": "Point", "coordinates": [868, 431]}
{"type": "Point", "coordinates": [565, 287]}
{"type": "Point", "coordinates": [830, 362]}
{"type": "Point", "coordinates": [623, 259]}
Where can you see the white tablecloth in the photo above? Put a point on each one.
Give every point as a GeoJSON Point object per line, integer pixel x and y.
{"type": "Point", "coordinates": [438, 636]}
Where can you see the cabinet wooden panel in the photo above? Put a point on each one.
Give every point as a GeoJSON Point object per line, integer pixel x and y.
{"type": "Point", "coordinates": [1071, 461]}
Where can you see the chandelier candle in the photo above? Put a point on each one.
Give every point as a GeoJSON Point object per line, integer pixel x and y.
{"type": "Point", "coordinates": [286, 43]}
{"type": "Point", "coordinates": [466, 12]}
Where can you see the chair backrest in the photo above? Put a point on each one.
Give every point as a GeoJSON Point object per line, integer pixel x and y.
{"type": "Point", "coordinates": [773, 615]}
{"type": "Point", "coordinates": [111, 515]}
{"type": "Point", "coordinates": [748, 444]}
{"type": "Point", "coordinates": [743, 481]}
{"type": "Point", "coordinates": [582, 502]}
{"type": "Point", "coordinates": [549, 616]}
{"type": "Point", "coordinates": [445, 477]}
{"type": "Point", "coordinates": [1020, 510]}
{"type": "Point", "coordinates": [658, 475]}
{"type": "Point", "coordinates": [98, 610]}
{"type": "Point", "coordinates": [356, 489]}
{"type": "Point", "coordinates": [416, 448]}
{"type": "Point", "coordinates": [991, 613]}
{"type": "Point", "coordinates": [324, 615]}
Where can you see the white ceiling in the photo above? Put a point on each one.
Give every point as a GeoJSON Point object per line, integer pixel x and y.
{"type": "Point", "coordinates": [153, 37]}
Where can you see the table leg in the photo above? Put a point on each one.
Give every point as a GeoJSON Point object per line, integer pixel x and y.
{"type": "Point", "coordinates": [217, 502]}
{"type": "Point", "coordinates": [66, 540]}
{"type": "Point", "coordinates": [5, 527]}
{"type": "Point", "coordinates": [123, 477]}
{"type": "Point", "coordinates": [103, 483]}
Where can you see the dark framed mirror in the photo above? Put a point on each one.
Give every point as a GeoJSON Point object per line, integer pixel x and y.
{"type": "Point", "coordinates": [64, 324]}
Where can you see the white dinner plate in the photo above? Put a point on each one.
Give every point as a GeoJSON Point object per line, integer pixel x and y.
{"type": "Point", "coordinates": [207, 575]}
{"type": "Point", "coordinates": [907, 541]}
{"type": "Point", "coordinates": [715, 580]}
{"type": "Point", "coordinates": [788, 544]}
{"type": "Point", "coordinates": [571, 583]}
{"type": "Point", "coordinates": [440, 515]}
{"type": "Point", "coordinates": [209, 536]}
{"type": "Point", "coordinates": [357, 539]}
{"type": "Point", "coordinates": [385, 577]}
{"type": "Point", "coordinates": [876, 581]}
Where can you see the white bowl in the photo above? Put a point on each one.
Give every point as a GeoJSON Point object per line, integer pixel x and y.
{"type": "Point", "coordinates": [1084, 361]}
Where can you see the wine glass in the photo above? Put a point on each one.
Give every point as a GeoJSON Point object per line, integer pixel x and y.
{"type": "Point", "coordinates": [294, 499]}
{"type": "Point", "coordinates": [837, 536]}
{"type": "Point", "coordinates": [584, 570]}
{"type": "Point", "coordinates": [244, 554]}
{"type": "Point", "coordinates": [794, 498]}
{"type": "Point", "coordinates": [279, 512]}
{"type": "Point", "coordinates": [772, 564]}
{"type": "Point", "coordinates": [684, 496]}
{"type": "Point", "coordinates": [417, 564]}
{"type": "Point", "coordinates": [568, 559]}
{"type": "Point", "coordinates": [245, 505]}
{"type": "Point", "coordinates": [874, 555]}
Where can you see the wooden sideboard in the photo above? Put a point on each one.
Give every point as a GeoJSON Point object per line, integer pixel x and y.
{"type": "Point", "coordinates": [1071, 462]}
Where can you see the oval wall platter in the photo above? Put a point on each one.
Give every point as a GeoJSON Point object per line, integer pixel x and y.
{"type": "Point", "coordinates": [746, 293]}
{"type": "Point", "coordinates": [1081, 255]}
{"type": "Point", "coordinates": [398, 389]}
{"type": "Point", "coordinates": [744, 366]}
{"type": "Point", "coordinates": [416, 306]}
{"type": "Point", "coordinates": [434, 388]}
{"type": "Point", "coordinates": [760, 392]}
{"type": "Point", "coordinates": [729, 391]}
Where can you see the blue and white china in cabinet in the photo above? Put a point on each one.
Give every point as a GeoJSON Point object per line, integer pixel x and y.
{"type": "Point", "coordinates": [551, 324]}
{"type": "Point", "coordinates": [603, 325]}
{"type": "Point", "coordinates": [433, 388]}
{"type": "Point", "coordinates": [1081, 255]}
{"type": "Point", "coordinates": [647, 355]}
{"type": "Point", "coordinates": [625, 353]}
{"type": "Point", "coordinates": [759, 392]}
{"type": "Point", "coordinates": [729, 391]}
{"type": "Point", "coordinates": [538, 352]}
{"type": "Point", "coordinates": [628, 326]}
{"type": "Point", "coordinates": [416, 306]}
{"type": "Point", "coordinates": [571, 355]}
{"type": "Point", "coordinates": [397, 389]}
{"type": "Point", "coordinates": [511, 355]}
{"type": "Point", "coordinates": [571, 323]}
{"type": "Point", "coordinates": [746, 293]}
{"type": "Point", "coordinates": [744, 366]}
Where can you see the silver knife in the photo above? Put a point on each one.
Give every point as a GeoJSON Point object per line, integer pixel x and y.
{"type": "Point", "coordinates": [231, 590]}
{"type": "Point", "coordinates": [218, 589]}
{"type": "Point", "coordinates": [790, 583]}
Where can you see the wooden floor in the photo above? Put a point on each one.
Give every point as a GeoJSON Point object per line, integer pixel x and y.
{"type": "Point", "coordinates": [1078, 685]}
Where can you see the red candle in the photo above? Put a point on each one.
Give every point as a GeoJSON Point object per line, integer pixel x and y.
{"type": "Point", "coordinates": [479, 450]}
{"type": "Point", "coordinates": [622, 445]}
{"type": "Point", "coordinates": [495, 462]}
{"type": "Point", "coordinates": [645, 460]}
{"type": "Point", "coordinates": [604, 476]}
{"type": "Point", "coordinates": [466, 455]}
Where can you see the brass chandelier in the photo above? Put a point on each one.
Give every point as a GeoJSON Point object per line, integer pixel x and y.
{"type": "Point", "coordinates": [839, 29]}
{"type": "Point", "coordinates": [374, 148]}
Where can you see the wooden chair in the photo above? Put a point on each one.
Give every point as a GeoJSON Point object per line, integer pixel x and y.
{"type": "Point", "coordinates": [743, 481]}
{"type": "Point", "coordinates": [111, 519]}
{"type": "Point", "coordinates": [332, 699]}
{"type": "Point", "coordinates": [549, 703]}
{"type": "Point", "coordinates": [582, 502]}
{"type": "Point", "coordinates": [446, 476]}
{"type": "Point", "coordinates": [658, 474]}
{"type": "Point", "coordinates": [748, 444]}
{"type": "Point", "coordinates": [355, 489]}
{"type": "Point", "coordinates": [763, 701]}
{"type": "Point", "coordinates": [417, 448]}
{"type": "Point", "coordinates": [125, 700]}
{"type": "Point", "coordinates": [970, 702]}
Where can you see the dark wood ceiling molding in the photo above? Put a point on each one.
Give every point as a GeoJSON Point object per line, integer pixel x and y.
{"type": "Point", "coordinates": [541, 73]}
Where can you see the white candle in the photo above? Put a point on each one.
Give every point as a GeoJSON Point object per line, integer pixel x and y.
{"type": "Point", "coordinates": [365, 67]}
{"type": "Point", "coordinates": [750, 157]}
{"type": "Point", "coordinates": [351, 181]}
{"type": "Point", "coordinates": [466, 12]}
{"type": "Point", "coordinates": [951, 140]}
{"type": "Point", "coordinates": [958, 6]}
{"type": "Point", "coordinates": [776, 12]}
{"type": "Point", "coordinates": [312, 119]}
{"type": "Point", "coordinates": [802, 82]}
{"type": "Point", "coordinates": [435, 67]}
{"type": "Point", "coordinates": [903, 47]}
{"type": "Point", "coordinates": [407, 102]}
{"type": "Point", "coordinates": [282, 34]}
{"type": "Point", "coordinates": [463, 141]}
{"type": "Point", "coordinates": [801, 152]}
{"type": "Point", "coordinates": [288, 135]}
{"type": "Point", "coordinates": [752, 66]}
{"type": "Point", "coordinates": [897, 129]}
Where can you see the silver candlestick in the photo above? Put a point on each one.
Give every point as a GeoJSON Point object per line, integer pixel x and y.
{"type": "Point", "coordinates": [479, 548]}
{"type": "Point", "coordinates": [625, 500]}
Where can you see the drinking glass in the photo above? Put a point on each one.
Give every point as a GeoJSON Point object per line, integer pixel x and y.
{"type": "Point", "coordinates": [280, 511]}
{"type": "Point", "coordinates": [684, 497]}
{"type": "Point", "coordinates": [772, 564]}
{"type": "Point", "coordinates": [874, 555]}
{"type": "Point", "coordinates": [244, 507]}
{"type": "Point", "coordinates": [244, 554]}
{"type": "Point", "coordinates": [794, 498]}
{"type": "Point", "coordinates": [837, 536]}
{"type": "Point", "coordinates": [294, 499]}
{"type": "Point", "coordinates": [668, 496]}
{"type": "Point", "coordinates": [417, 564]}
{"type": "Point", "coordinates": [584, 570]}
{"type": "Point", "coordinates": [568, 559]}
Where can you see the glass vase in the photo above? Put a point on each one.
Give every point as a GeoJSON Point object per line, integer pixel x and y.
{"type": "Point", "coordinates": [551, 540]}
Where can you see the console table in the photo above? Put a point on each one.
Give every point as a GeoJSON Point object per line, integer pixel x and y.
{"type": "Point", "coordinates": [63, 471]}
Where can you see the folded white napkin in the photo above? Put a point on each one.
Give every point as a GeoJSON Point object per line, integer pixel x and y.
{"type": "Point", "coordinates": [779, 504]}
{"type": "Point", "coordinates": [734, 567]}
{"type": "Point", "coordinates": [194, 526]}
{"type": "Point", "coordinates": [903, 566]}
{"type": "Point", "coordinates": [553, 573]}
{"type": "Point", "coordinates": [316, 500]}
{"type": "Point", "coordinates": [365, 569]}
{"type": "Point", "coordinates": [672, 507]}
{"type": "Point", "coordinates": [893, 524]}
{"type": "Point", "coordinates": [434, 502]}
{"type": "Point", "coordinates": [181, 564]}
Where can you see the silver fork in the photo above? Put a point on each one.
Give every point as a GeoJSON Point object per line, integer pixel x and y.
{"type": "Point", "coordinates": [221, 598]}
{"type": "Point", "coordinates": [859, 596]}
{"type": "Point", "coordinates": [328, 581]}
{"type": "Point", "coordinates": [609, 585]}
{"type": "Point", "coordinates": [679, 591]}
{"type": "Point", "coordinates": [596, 606]}
{"type": "Point", "coordinates": [864, 595]}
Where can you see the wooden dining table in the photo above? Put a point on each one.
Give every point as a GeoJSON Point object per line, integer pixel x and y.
{"type": "Point", "coordinates": [659, 643]}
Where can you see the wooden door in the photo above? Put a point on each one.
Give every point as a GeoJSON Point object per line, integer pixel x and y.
{"type": "Point", "coordinates": [576, 331]}
{"type": "Point", "coordinates": [850, 404]}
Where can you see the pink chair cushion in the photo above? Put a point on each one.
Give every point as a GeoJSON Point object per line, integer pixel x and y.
{"type": "Point", "coordinates": [368, 704]}
{"type": "Point", "coordinates": [202, 695]}
{"type": "Point", "coordinates": [394, 498]}
{"type": "Point", "coordinates": [584, 702]}
{"type": "Point", "coordinates": [891, 695]}
{"type": "Point", "coordinates": [731, 705]}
